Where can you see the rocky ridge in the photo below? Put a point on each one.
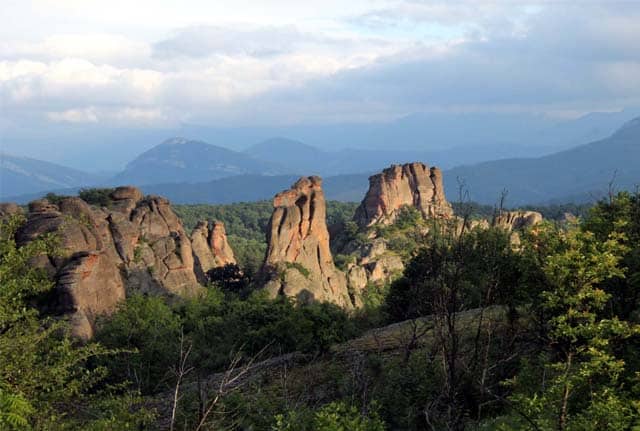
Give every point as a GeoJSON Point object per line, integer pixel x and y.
{"type": "Point", "coordinates": [137, 244]}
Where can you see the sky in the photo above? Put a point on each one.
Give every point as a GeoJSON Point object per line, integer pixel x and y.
{"type": "Point", "coordinates": [161, 63]}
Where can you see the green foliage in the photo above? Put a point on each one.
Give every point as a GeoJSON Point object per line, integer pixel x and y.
{"type": "Point", "coordinates": [406, 234]}
{"type": "Point", "coordinates": [220, 327]}
{"type": "Point", "coordinates": [298, 267]}
{"type": "Point", "coordinates": [336, 416]}
{"type": "Point", "coordinates": [148, 329]}
{"type": "Point", "coordinates": [19, 279]}
{"type": "Point", "coordinates": [581, 360]}
{"type": "Point", "coordinates": [14, 412]}
{"type": "Point", "coordinates": [342, 261]}
{"type": "Point", "coordinates": [45, 376]}
{"type": "Point", "coordinates": [97, 196]}
{"type": "Point", "coordinates": [54, 198]}
{"type": "Point", "coordinates": [481, 259]}
{"type": "Point", "coordinates": [230, 279]}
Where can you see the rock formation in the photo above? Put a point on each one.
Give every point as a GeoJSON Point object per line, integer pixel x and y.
{"type": "Point", "coordinates": [210, 247]}
{"type": "Point", "coordinates": [412, 184]}
{"type": "Point", "coordinates": [299, 263]}
{"type": "Point", "coordinates": [9, 208]}
{"type": "Point", "coordinates": [374, 264]}
{"type": "Point", "coordinates": [514, 220]}
{"type": "Point", "coordinates": [137, 244]}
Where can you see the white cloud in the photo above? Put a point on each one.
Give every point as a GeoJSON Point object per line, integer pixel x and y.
{"type": "Point", "coordinates": [86, 115]}
{"type": "Point", "coordinates": [300, 61]}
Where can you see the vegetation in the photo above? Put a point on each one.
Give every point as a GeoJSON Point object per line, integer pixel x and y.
{"type": "Point", "coordinates": [482, 335]}
{"type": "Point", "coordinates": [47, 380]}
{"type": "Point", "coordinates": [97, 196]}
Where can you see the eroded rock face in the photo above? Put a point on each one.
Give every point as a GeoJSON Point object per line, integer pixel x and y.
{"type": "Point", "coordinates": [299, 263]}
{"type": "Point", "coordinates": [210, 247]}
{"type": "Point", "coordinates": [412, 184]}
{"type": "Point", "coordinates": [138, 244]}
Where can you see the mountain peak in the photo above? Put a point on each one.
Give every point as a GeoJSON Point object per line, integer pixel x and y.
{"type": "Point", "coordinates": [179, 140]}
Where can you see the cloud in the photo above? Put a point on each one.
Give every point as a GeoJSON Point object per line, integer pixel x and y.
{"type": "Point", "coordinates": [111, 49]}
{"type": "Point", "coordinates": [400, 57]}
{"type": "Point", "coordinates": [204, 41]}
{"type": "Point", "coordinates": [123, 116]}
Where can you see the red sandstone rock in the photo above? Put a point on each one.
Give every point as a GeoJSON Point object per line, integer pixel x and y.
{"type": "Point", "coordinates": [298, 259]}
{"type": "Point", "coordinates": [412, 184]}
{"type": "Point", "coordinates": [139, 244]}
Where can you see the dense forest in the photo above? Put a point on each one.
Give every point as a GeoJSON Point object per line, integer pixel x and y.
{"type": "Point", "coordinates": [477, 333]}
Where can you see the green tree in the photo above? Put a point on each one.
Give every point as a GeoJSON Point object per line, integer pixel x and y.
{"type": "Point", "coordinates": [149, 330]}
{"type": "Point", "coordinates": [577, 382]}
{"type": "Point", "coordinates": [45, 375]}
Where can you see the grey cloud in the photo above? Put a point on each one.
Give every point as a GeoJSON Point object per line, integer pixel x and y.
{"type": "Point", "coordinates": [566, 57]}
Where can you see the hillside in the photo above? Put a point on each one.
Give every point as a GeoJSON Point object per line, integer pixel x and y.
{"type": "Point", "coordinates": [22, 175]}
{"type": "Point", "coordinates": [179, 159]}
{"type": "Point", "coordinates": [579, 174]}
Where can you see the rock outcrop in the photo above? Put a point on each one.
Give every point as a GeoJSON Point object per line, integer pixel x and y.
{"type": "Point", "coordinates": [515, 220]}
{"type": "Point", "coordinates": [138, 244]}
{"type": "Point", "coordinates": [299, 263]}
{"type": "Point", "coordinates": [412, 184]}
{"type": "Point", "coordinates": [374, 264]}
{"type": "Point", "coordinates": [8, 209]}
{"type": "Point", "coordinates": [210, 247]}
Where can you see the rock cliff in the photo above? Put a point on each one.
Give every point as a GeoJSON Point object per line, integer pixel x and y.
{"type": "Point", "coordinates": [299, 263]}
{"type": "Point", "coordinates": [411, 184]}
{"type": "Point", "coordinates": [137, 244]}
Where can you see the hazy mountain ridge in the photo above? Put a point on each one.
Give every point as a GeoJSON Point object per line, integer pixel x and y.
{"type": "Point", "coordinates": [20, 175]}
{"type": "Point", "coordinates": [581, 173]}
{"type": "Point", "coordinates": [195, 172]}
{"type": "Point", "coordinates": [455, 138]}
{"type": "Point", "coordinates": [184, 160]}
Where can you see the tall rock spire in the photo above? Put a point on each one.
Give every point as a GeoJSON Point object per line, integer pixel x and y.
{"type": "Point", "coordinates": [298, 263]}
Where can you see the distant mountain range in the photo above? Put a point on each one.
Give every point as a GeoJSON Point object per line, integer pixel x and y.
{"type": "Point", "coordinates": [184, 160]}
{"type": "Point", "coordinates": [195, 172]}
{"type": "Point", "coordinates": [451, 138]}
{"type": "Point", "coordinates": [579, 174]}
{"type": "Point", "coordinates": [20, 175]}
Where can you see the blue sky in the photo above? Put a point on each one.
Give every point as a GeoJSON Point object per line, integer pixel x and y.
{"type": "Point", "coordinates": [160, 63]}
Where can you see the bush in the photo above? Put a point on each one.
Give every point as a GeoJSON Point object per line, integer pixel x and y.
{"type": "Point", "coordinates": [336, 416]}
{"type": "Point", "coordinates": [95, 196]}
{"type": "Point", "coordinates": [149, 331]}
